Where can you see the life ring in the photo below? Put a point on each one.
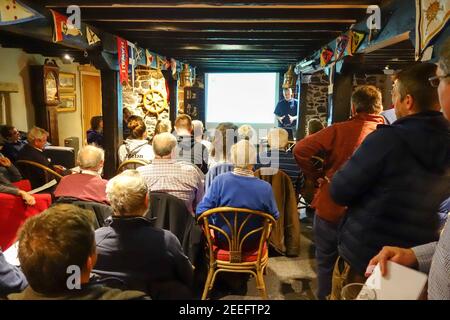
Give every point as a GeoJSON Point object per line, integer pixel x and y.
{"type": "Point", "coordinates": [154, 102]}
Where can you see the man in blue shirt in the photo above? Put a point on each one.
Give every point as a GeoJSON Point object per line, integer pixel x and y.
{"type": "Point", "coordinates": [286, 112]}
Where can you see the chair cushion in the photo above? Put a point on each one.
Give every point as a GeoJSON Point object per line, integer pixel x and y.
{"type": "Point", "coordinates": [24, 185]}
{"type": "Point", "coordinates": [14, 212]}
{"type": "Point", "coordinates": [250, 256]}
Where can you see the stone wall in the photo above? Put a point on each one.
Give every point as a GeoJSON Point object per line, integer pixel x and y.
{"type": "Point", "coordinates": [316, 96]}
{"type": "Point", "coordinates": [381, 81]}
{"type": "Point", "coordinates": [146, 79]}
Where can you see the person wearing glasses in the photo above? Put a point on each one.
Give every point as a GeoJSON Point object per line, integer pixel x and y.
{"type": "Point", "coordinates": [434, 257]}
{"type": "Point", "coordinates": [394, 183]}
{"type": "Point", "coordinates": [13, 144]}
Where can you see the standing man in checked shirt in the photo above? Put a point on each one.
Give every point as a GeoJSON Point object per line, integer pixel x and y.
{"type": "Point", "coordinates": [432, 258]}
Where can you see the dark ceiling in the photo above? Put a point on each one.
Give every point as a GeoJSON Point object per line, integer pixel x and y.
{"type": "Point", "coordinates": [224, 35]}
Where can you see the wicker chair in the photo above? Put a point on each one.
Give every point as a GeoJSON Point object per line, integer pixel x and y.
{"type": "Point", "coordinates": [235, 259]}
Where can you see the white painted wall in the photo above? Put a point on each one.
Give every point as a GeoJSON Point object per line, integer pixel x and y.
{"type": "Point", "coordinates": [14, 68]}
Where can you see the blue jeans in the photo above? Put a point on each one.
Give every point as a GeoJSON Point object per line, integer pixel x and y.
{"type": "Point", "coordinates": [326, 242]}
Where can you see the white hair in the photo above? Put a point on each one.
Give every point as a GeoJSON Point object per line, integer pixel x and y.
{"type": "Point", "coordinates": [277, 138]}
{"type": "Point", "coordinates": [197, 127]}
{"type": "Point", "coordinates": [245, 132]}
{"type": "Point", "coordinates": [243, 154]}
{"type": "Point", "coordinates": [127, 192]}
{"type": "Point", "coordinates": [164, 143]}
{"type": "Point", "coordinates": [36, 133]}
{"type": "Point", "coordinates": [90, 157]}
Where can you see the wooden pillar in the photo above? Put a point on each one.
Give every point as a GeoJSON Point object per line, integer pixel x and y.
{"type": "Point", "coordinates": [302, 106]}
{"type": "Point", "coordinates": [112, 120]}
{"type": "Point", "coordinates": [341, 97]}
{"type": "Point", "coordinates": [172, 84]}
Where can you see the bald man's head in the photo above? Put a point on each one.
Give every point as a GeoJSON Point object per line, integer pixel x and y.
{"type": "Point", "coordinates": [163, 144]}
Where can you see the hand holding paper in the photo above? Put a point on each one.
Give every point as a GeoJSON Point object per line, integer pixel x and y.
{"type": "Point", "coordinates": [399, 283]}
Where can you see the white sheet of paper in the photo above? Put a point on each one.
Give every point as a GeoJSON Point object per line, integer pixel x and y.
{"type": "Point", "coordinates": [400, 282]}
{"type": "Point", "coordinates": [43, 187]}
{"type": "Point", "coordinates": [11, 254]}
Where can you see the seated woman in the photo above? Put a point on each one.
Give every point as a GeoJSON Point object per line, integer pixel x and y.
{"type": "Point", "coordinates": [95, 133]}
{"type": "Point", "coordinates": [224, 138]}
{"type": "Point", "coordinates": [240, 189]}
{"type": "Point", "coordinates": [136, 146]}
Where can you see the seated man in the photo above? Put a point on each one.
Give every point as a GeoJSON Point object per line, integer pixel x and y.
{"type": "Point", "coordinates": [88, 184]}
{"type": "Point", "coordinates": [277, 157]}
{"type": "Point", "coordinates": [13, 144]}
{"type": "Point", "coordinates": [165, 174]}
{"type": "Point", "coordinates": [198, 130]}
{"type": "Point", "coordinates": [240, 189]}
{"type": "Point", "coordinates": [37, 138]}
{"type": "Point", "coordinates": [188, 149]}
{"type": "Point", "coordinates": [131, 249]}
{"type": "Point", "coordinates": [57, 253]}
{"type": "Point", "coordinates": [11, 278]}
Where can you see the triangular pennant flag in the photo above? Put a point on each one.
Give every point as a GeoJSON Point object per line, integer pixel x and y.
{"type": "Point", "coordinates": [139, 52]}
{"type": "Point", "coordinates": [12, 12]}
{"type": "Point", "coordinates": [355, 40]}
{"type": "Point", "coordinates": [160, 63]}
{"type": "Point", "coordinates": [341, 44]}
{"type": "Point", "coordinates": [148, 58]}
{"type": "Point", "coordinates": [91, 37]}
{"type": "Point", "coordinates": [61, 29]}
{"type": "Point", "coordinates": [325, 56]}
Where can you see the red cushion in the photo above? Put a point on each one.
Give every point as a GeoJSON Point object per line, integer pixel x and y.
{"type": "Point", "coordinates": [14, 212]}
{"type": "Point", "coordinates": [24, 185]}
{"type": "Point", "coordinates": [250, 256]}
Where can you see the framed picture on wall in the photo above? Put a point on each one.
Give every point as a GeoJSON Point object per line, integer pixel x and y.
{"type": "Point", "coordinates": [68, 102]}
{"type": "Point", "coordinates": [66, 82]}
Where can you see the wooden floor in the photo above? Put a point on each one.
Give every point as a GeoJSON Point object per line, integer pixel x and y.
{"type": "Point", "coordinates": [286, 278]}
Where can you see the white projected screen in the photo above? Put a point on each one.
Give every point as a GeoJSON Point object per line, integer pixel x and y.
{"type": "Point", "coordinates": [241, 97]}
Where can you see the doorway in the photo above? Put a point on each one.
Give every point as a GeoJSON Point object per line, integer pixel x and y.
{"type": "Point", "coordinates": [91, 93]}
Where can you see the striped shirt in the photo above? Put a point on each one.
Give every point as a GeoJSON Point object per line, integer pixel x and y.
{"type": "Point", "coordinates": [434, 258]}
{"type": "Point", "coordinates": [179, 179]}
{"type": "Point", "coordinates": [282, 160]}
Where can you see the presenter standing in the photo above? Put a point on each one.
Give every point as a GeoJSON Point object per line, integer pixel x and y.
{"type": "Point", "coordinates": [286, 113]}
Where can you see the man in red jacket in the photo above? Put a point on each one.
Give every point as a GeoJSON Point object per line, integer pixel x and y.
{"type": "Point", "coordinates": [335, 144]}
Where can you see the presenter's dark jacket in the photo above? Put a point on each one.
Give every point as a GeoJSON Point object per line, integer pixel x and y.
{"type": "Point", "coordinates": [285, 108]}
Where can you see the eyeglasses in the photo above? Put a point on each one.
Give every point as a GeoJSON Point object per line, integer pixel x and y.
{"type": "Point", "coordinates": [434, 81]}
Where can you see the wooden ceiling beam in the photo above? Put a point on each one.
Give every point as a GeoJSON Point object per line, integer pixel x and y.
{"type": "Point", "coordinates": [221, 20]}
{"type": "Point", "coordinates": [330, 4]}
{"type": "Point", "coordinates": [226, 36]}
{"type": "Point", "coordinates": [232, 47]}
{"type": "Point", "coordinates": [212, 15]}
{"type": "Point", "coordinates": [334, 28]}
